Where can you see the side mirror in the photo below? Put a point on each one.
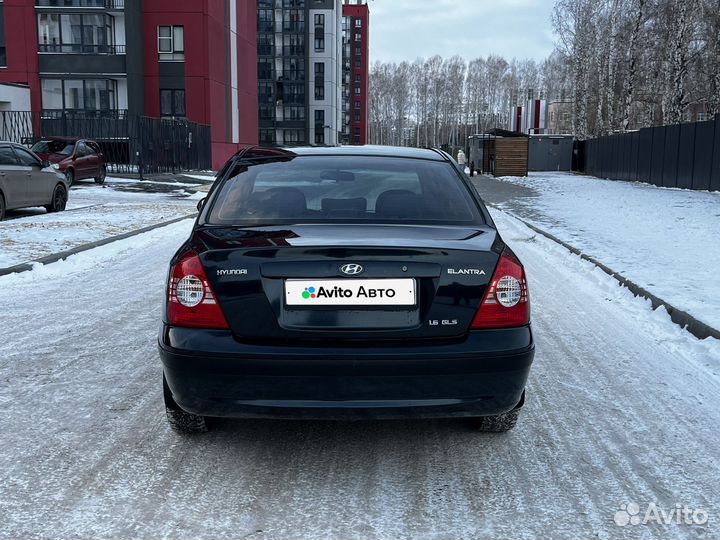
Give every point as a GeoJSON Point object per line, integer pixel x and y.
{"type": "Point", "coordinates": [201, 204]}
{"type": "Point", "coordinates": [44, 164]}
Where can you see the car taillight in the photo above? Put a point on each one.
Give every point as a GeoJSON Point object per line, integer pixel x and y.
{"type": "Point", "coordinates": [506, 303]}
{"type": "Point", "coordinates": [191, 300]}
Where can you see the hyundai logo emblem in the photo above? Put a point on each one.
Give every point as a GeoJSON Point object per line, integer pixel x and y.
{"type": "Point", "coordinates": [351, 269]}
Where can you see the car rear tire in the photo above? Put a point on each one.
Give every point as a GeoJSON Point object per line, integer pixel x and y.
{"type": "Point", "coordinates": [2, 207]}
{"type": "Point", "coordinates": [100, 179]}
{"type": "Point", "coordinates": [179, 420]}
{"type": "Point", "coordinates": [70, 177]}
{"type": "Point", "coordinates": [59, 199]}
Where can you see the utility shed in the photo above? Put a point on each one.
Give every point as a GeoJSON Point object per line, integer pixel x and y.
{"type": "Point", "coordinates": [511, 156]}
{"type": "Point", "coordinates": [499, 152]}
{"type": "Point", "coordinates": [551, 152]}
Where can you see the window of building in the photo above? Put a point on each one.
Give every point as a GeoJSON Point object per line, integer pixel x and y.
{"type": "Point", "coordinates": [319, 44]}
{"type": "Point", "coordinates": [171, 43]}
{"type": "Point", "coordinates": [3, 56]}
{"type": "Point", "coordinates": [293, 94]}
{"type": "Point", "coordinates": [172, 103]}
{"type": "Point", "coordinates": [79, 95]}
{"type": "Point", "coordinates": [265, 68]}
{"type": "Point", "coordinates": [358, 36]}
{"type": "Point", "coordinates": [294, 113]}
{"type": "Point", "coordinates": [266, 45]}
{"type": "Point", "coordinates": [358, 105]}
{"type": "Point", "coordinates": [294, 136]}
{"type": "Point", "coordinates": [320, 127]}
{"type": "Point", "coordinates": [319, 19]}
{"type": "Point", "coordinates": [294, 69]}
{"type": "Point", "coordinates": [358, 78]}
{"type": "Point", "coordinates": [267, 136]}
{"type": "Point", "coordinates": [356, 135]}
{"type": "Point", "coordinates": [294, 45]}
{"type": "Point", "coordinates": [76, 33]}
{"type": "Point", "coordinates": [357, 116]}
{"type": "Point", "coordinates": [319, 80]}
{"type": "Point", "coordinates": [267, 112]}
{"type": "Point", "coordinates": [701, 117]}
{"type": "Point", "coordinates": [357, 90]}
{"type": "Point", "coordinates": [294, 20]}
{"type": "Point", "coordinates": [358, 62]}
{"type": "Point", "coordinates": [265, 20]}
{"type": "Point", "coordinates": [358, 23]}
{"type": "Point", "coordinates": [358, 50]}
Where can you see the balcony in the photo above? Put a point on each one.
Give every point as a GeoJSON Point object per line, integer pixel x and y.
{"type": "Point", "coordinates": [106, 5]}
{"type": "Point", "coordinates": [73, 48]}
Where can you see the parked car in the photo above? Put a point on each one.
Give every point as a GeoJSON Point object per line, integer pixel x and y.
{"type": "Point", "coordinates": [26, 181]}
{"type": "Point", "coordinates": [77, 159]}
{"type": "Point", "coordinates": [349, 282]}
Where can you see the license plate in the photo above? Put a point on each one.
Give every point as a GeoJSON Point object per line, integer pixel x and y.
{"type": "Point", "coordinates": [350, 292]}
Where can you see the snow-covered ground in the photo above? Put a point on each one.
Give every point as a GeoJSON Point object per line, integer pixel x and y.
{"type": "Point", "coordinates": [93, 213]}
{"type": "Point", "coordinates": [666, 240]}
{"type": "Point", "coordinates": [622, 407]}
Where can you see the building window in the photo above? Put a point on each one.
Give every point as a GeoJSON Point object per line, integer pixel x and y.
{"type": "Point", "coordinates": [76, 33]}
{"type": "Point", "coordinates": [171, 43]}
{"type": "Point", "coordinates": [319, 127]}
{"type": "Point", "coordinates": [358, 37]}
{"type": "Point", "coordinates": [267, 136]}
{"type": "Point", "coordinates": [319, 19]}
{"type": "Point", "coordinates": [319, 80]}
{"type": "Point", "coordinates": [357, 90]}
{"type": "Point", "coordinates": [357, 105]}
{"type": "Point", "coordinates": [358, 78]}
{"type": "Point", "coordinates": [265, 68]}
{"type": "Point", "coordinates": [172, 103]}
{"type": "Point", "coordinates": [92, 95]}
{"type": "Point", "coordinates": [294, 45]}
{"type": "Point", "coordinates": [294, 21]}
{"type": "Point", "coordinates": [358, 23]}
{"type": "Point", "coordinates": [3, 56]}
{"type": "Point", "coordinates": [294, 113]}
{"type": "Point", "coordinates": [356, 135]}
{"type": "Point", "coordinates": [319, 44]}
{"type": "Point", "coordinates": [265, 20]}
{"type": "Point", "coordinates": [357, 116]}
{"type": "Point", "coordinates": [701, 117]}
{"type": "Point", "coordinates": [294, 69]}
{"type": "Point", "coordinates": [294, 136]}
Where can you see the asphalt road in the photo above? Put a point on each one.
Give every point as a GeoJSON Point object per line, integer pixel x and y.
{"type": "Point", "coordinates": [622, 407]}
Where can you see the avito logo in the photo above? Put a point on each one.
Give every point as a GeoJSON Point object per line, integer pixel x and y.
{"type": "Point", "coordinates": [340, 292]}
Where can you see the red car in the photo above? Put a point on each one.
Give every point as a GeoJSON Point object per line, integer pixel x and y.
{"type": "Point", "coordinates": [75, 158]}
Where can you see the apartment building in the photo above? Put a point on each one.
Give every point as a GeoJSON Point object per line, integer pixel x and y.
{"type": "Point", "coordinates": [356, 71]}
{"type": "Point", "coordinates": [299, 71]}
{"type": "Point", "coordinates": [186, 59]}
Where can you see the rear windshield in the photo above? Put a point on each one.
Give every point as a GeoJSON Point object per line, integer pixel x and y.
{"type": "Point", "coordinates": [53, 147]}
{"type": "Point", "coordinates": [342, 189]}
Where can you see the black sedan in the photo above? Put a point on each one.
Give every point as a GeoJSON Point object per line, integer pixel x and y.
{"type": "Point", "coordinates": [349, 282]}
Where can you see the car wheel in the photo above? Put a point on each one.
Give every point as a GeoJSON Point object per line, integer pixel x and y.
{"type": "Point", "coordinates": [2, 208]}
{"type": "Point", "coordinates": [100, 179]}
{"type": "Point", "coordinates": [498, 423]}
{"type": "Point", "coordinates": [59, 200]}
{"type": "Point", "coordinates": [70, 177]}
{"type": "Point", "coordinates": [181, 421]}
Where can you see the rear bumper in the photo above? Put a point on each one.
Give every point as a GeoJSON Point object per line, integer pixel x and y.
{"type": "Point", "coordinates": [211, 374]}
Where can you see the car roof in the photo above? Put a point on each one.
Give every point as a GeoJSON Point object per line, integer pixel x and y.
{"type": "Point", "coordinates": [368, 150]}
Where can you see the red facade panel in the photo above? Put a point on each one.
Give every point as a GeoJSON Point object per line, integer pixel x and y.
{"type": "Point", "coordinates": [21, 41]}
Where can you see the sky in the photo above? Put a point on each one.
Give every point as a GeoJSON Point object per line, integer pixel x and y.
{"type": "Point", "coordinates": [408, 29]}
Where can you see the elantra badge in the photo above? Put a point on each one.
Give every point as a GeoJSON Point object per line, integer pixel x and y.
{"type": "Point", "coordinates": [351, 269]}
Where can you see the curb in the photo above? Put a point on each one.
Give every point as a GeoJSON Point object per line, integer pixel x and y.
{"type": "Point", "coordinates": [683, 319]}
{"type": "Point", "coordinates": [55, 257]}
